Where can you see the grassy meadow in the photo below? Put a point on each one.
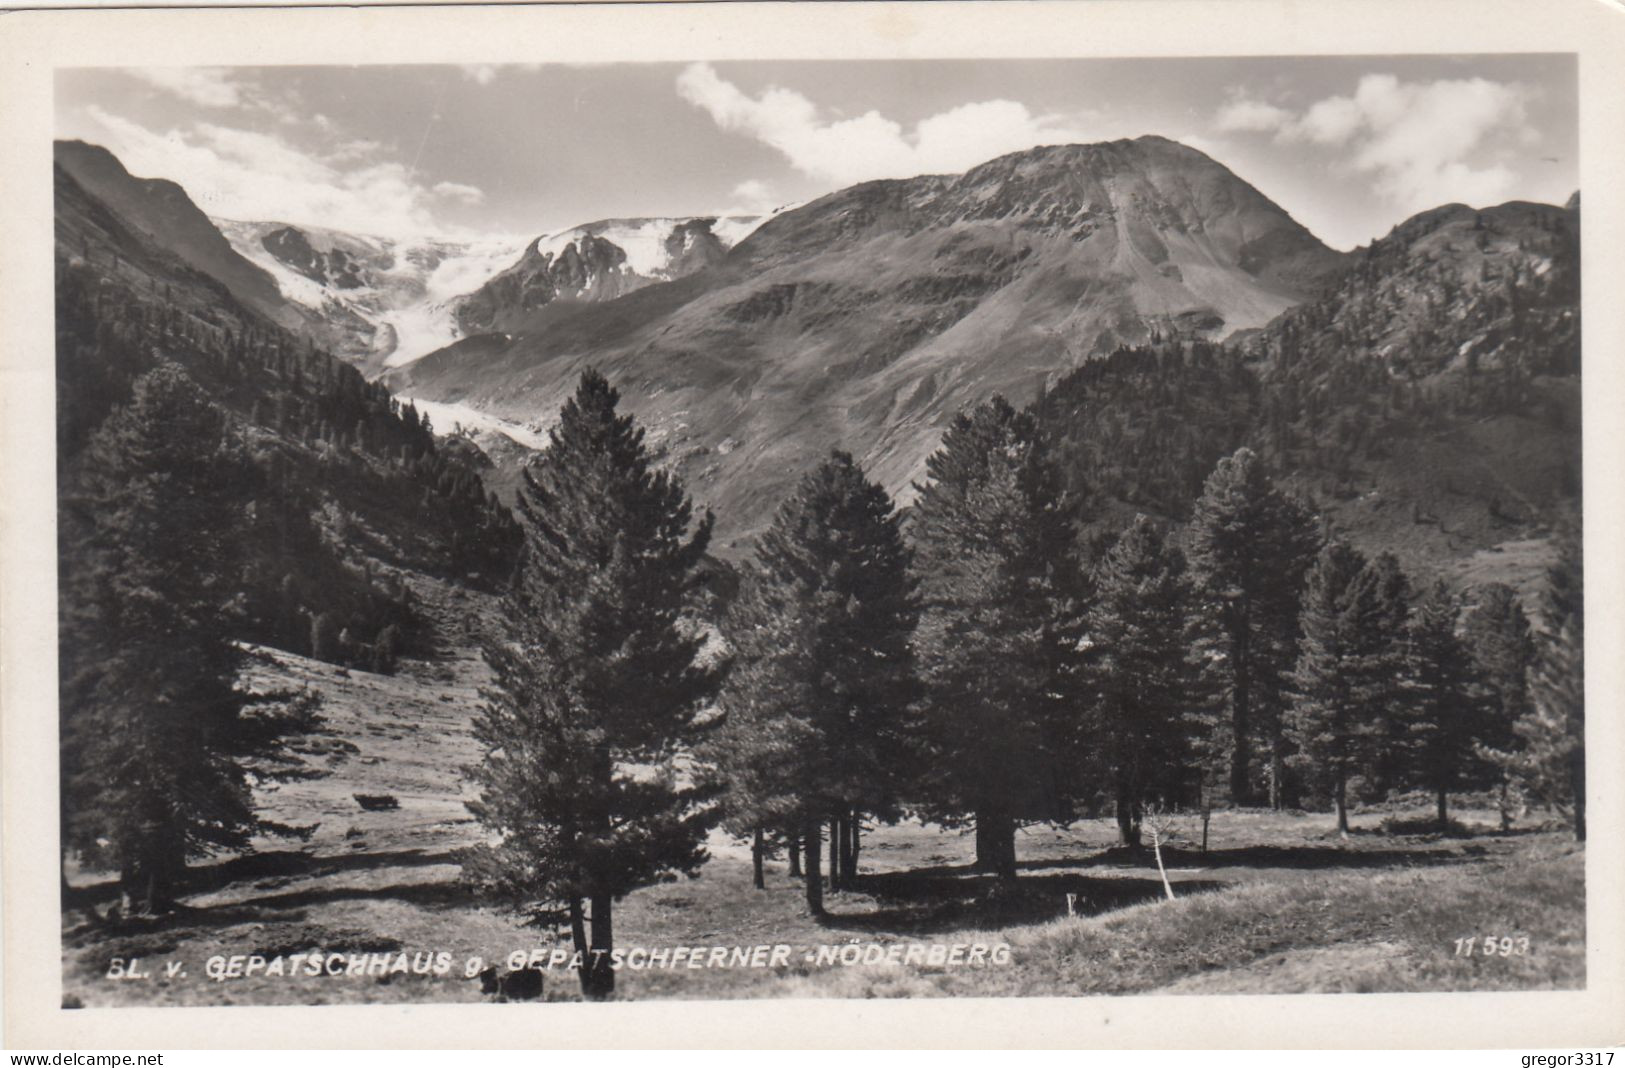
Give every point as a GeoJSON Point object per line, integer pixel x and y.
{"type": "Point", "coordinates": [1278, 903]}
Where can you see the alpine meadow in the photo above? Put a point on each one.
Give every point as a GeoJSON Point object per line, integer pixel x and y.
{"type": "Point", "coordinates": [858, 529]}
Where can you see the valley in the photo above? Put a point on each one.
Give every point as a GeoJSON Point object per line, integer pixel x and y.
{"type": "Point", "coordinates": [1129, 328]}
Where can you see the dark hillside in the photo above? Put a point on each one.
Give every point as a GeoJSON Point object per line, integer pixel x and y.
{"type": "Point", "coordinates": [347, 489]}
{"type": "Point", "coordinates": [1429, 404]}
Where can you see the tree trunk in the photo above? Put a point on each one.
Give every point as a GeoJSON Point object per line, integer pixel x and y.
{"type": "Point", "coordinates": [578, 939]}
{"type": "Point", "coordinates": [756, 851]}
{"type": "Point", "coordinates": [854, 831]}
{"type": "Point", "coordinates": [1000, 843]}
{"type": "Point", "coordinates": [1240, 725]}
{"type": "Point", "coordinates": [1128, 824]}
{"type": "Point", "coordinates": [814, 879]}
{"type": "Point", "coordinates": [834, 855]}
{"type": "Point", "coordinates": [1506, 805]}
{"type": "Point", "coordinates": [1277, 776]}
{"type": "Point", "coordinates": [598, 977]}
{"type": "Point", "coordinates": [984, 846]}
{"type": "Point", "coordinates": [795, 856]}
{"type": "Point", "coordinates": [1444, 810]}
{"type": "Point", "coordinates": [147, 887]}
{"type": "Point", "coordinates": [1341, 795]}
{"type": "Point", "coordinates": [848, 861]}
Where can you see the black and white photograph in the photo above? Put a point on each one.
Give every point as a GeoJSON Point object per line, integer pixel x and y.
{"type": "Point", "coordinates": [733, 528]}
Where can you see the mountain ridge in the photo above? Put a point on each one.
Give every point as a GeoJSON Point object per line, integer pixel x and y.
{"type": "Point", "coordinates": [868, 316]}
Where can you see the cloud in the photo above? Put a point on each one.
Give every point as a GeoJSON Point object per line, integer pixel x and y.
{"type": "Point", "coordinates": [752, 195]}
{"type": "Point", "coordinates": [1423, 143]}
{"type": "Point", "coordinates": [867, 146]}
{"type": "Point", "coordinates": [486, 73]}
{"type": "Point", "coordinates": [465, 194]}
{"type": "Point", "coordinates": [242, 174]}
{"type": "Point", "coordinates": [1251, 116]}
{"type": "Point", "coordinates": [210, 87]}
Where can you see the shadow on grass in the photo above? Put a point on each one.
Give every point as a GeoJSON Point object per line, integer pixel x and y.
{"type": "Point", "coordinates": [939, 900]}
{"type": "Point", "coordinates": [1304, 857]}
{"type": "Point", "coordinates": [263, 871]}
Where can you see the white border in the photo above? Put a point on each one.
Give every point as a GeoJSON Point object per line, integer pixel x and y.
{"type": "Point", "coordinates": [34, 43]}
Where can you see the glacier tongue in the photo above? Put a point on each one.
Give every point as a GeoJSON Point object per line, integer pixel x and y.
{"type": "Point", "coordinates": [405, 307]}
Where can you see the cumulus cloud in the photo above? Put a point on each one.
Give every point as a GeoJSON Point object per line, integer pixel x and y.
{"type": "Point", "coordinates": [752, 195]}
{"type": "Point", "coordinates": [244, 174]}
{"type": "Point", "coordinates": [1251, 116]}
{"type": "Point", "coordinates": [1423, 143]}
{"type": "Point", "coordinates": [847, 150]}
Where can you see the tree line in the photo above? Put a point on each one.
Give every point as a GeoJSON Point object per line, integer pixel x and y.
{"type": "Point", "coordinates": [973, 660]}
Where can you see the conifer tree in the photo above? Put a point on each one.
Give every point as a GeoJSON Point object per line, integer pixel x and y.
{"type": "Point", "coordinates": [160, 749]}
{"type": "Point", "coordinates": [598, 686]}
{"type": "Point", "coordinates": [1381, 602]}
{"type": "Point", "coordinates": [824, 672]}
{"type": "Point", "coordinates": [1445, 710]}
{"type": "Point", "coordinates": [1146, 689]}
{"type": "Point", "coordinates": [1331, 723]}
{"type": "Point", "coordinates": [993, 557]}
{"type": "Point", "coordinates": [1552, 760]}
{"type": "Point", "coordinates": [1250, 548]}
{"type": "Point", "coordinates": [1502, 646]}
{"type": "Point", "coordinates": [755, 753]}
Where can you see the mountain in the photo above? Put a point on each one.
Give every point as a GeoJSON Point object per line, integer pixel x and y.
{"type": "Point", "coordinates": [162, 212]}
{"type": "Point", "coordinates": [600, 261]}
{"type": "Point", "coordinates": [1423, 391]}
{"type": "Point", "coordinates": [384, 301]}
{"type": "Point", "coordinates": [1435, 393]}
{"type": "Point", "coordinates": [868, 317]}
{"type": "Point", "coordinates": [340, 489]}
{"type": "Point", "coordinates": [1428, 405]}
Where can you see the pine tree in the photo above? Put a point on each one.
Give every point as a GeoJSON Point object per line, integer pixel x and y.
{"type": "Point", "coordinates": [1445, 711]}
{"type": "Point", "coordinates": [825, 669]}
{"type": "Point", "coordinates": [1551, 762]}
{"type": "Point", "coordinates": [1146, 688]}
{"type": "Point", "coordinates": [756, 753]}
{"type": "Point", "coordinates": [598, 686]}
{"type": "Point", "coordinates": [160, 749]}
{"type": "Point", "coordinates": [1503, 649]}
{"type": "Point", "coordinates": [324, 640]}
{"type": "Point", "coordinates": [1250, 548]}
{"type": "Point", "coordinates": [1331, 723]}
{"type": "Point", "coordinates": [994, 563]}
{"type": "Point", "coordinates": [1381, 602]}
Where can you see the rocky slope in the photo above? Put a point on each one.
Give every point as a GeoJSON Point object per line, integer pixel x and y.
{"type": "Point", "coordinates": [382, 303]}
{"type": "Point", "coordinates": [599, 261]}
{"type": "Point", "coordinates": [866, 318]}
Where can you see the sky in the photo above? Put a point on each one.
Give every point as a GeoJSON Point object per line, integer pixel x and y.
{"type": "Point", "coordinates": [1350, 146]}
